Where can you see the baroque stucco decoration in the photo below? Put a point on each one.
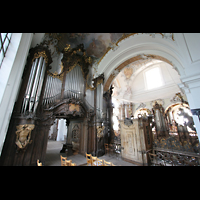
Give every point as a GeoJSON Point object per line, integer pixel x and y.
{"type": "Point", "coordinates": [178, 98]}
{"type": "Point", "coordinates": [114, 46]}
{"type": "Point", "coordinates": [128, 71]}
{"type": "Point", "coordinates": [137, 68]}
{"type": "Point", "coordinates": [157, 101]}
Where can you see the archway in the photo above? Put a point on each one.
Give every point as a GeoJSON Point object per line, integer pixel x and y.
{"type": "Point", "coordinates": [131, 60]}
{"type": "Point", "coordinates": [140, 47]}
{"type": "Point", "coordinates": [133, 91]}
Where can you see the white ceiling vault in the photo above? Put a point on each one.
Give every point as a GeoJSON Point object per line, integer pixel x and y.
{"type": "Point", "coordinates": [131, 84]}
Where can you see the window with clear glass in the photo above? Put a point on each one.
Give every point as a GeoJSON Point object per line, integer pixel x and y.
{"type": "Point", "coordinates": [4, 43]}
{"type": "Point", "coordinates": [154, 78]}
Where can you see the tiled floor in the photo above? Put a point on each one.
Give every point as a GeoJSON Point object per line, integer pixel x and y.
{"type": "Point", "coordinates": [53, 156]}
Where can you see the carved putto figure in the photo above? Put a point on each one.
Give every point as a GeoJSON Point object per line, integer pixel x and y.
{"type": "Point", "coordinates": [24, 135]}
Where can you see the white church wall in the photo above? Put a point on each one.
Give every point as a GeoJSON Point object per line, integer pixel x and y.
{"type": "Point", "coordinates": [90, 97]}
{"type": "Point", "coordinates": [191, 87]}
{"type": "Point", "coordinates": [62, 130]}
{"type": "Point", "coordinates": [139, 85]}
{"type": "Point", "coordinates": [189, 47]}
{"type": "Point", "coordinates": [192, 41]}
{"type": "Point", "coordinates": [8, 61]}
{"type": "Point", "coordinates": [51, 131]}
{"type": "Point", "coordinates": [37, 38]}
{"type": "Point", "coordinates": [19, 56]}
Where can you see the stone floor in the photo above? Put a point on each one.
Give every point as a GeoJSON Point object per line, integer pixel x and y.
{"type": "Point", "coordinates": [53, 156]}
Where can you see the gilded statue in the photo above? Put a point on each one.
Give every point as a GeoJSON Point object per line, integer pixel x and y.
{"type": "Point", "coordinates": [24, 135]}
{"type": "Point", "coordinates": [100, 131]}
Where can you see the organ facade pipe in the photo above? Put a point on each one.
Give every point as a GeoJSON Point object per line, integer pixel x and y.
{"type": "Point", "coordinates": [40, 86]}
{"type": "Point", "coordinates": [29, 86]}
{"type": "Point", "coordinates": [35, 84]}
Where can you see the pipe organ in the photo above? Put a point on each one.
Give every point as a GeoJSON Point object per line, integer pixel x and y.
{"type": "Point", "coordinates": [99, 100]}
{"type": "Point", "coordinates": [52, 91]}
{"type": "Point", "coordinates": [45, 96]}
{"type": "Point", "coordinates": [73, 87]}
{"type": "Point", "coordinates": [34, 86]}
{"type": "Point", "coordinates": [74, 84]}
{"type": "Point", "coordinates": [160, 121]}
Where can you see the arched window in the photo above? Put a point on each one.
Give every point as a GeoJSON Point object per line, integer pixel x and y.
{"type": "Point", "coordinates": [4, 43]}
{"type": "Point", "coordinates": [153, 78]}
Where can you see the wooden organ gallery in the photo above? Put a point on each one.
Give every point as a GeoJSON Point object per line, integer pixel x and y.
{"type": "Point", "coordinates": [44, 97]}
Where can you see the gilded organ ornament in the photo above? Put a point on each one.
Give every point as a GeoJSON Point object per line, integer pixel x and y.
{"type": "Point", "coordinates": [100, 131]}
{"type": "Point", "coordinates": [23, 135]}
{"type": "Point", "coordinates": [74, 107]}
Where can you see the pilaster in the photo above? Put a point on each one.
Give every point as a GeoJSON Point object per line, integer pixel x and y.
{"type": "Point", "coordinates": [191, 87]}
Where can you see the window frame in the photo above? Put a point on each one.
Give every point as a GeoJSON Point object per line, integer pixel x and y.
{"type": "Point", "coordinates": [4, 49]}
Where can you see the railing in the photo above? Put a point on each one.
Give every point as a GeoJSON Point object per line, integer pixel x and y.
{"type": "Point", "coordinates": [70, 94]}
{"type": "Point", "coordinates": [167, 157]}
{"type": "Point", "coordinates": [73, 94]}
{"type": "Point", "coordinates": [51, 100]}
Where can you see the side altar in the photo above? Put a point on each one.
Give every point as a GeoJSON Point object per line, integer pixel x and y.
{"type": "Point", "coordinates": [136, 139]}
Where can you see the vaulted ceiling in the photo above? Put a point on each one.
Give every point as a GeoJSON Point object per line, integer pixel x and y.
{"type": "Point", "coordinates": [131, 85]}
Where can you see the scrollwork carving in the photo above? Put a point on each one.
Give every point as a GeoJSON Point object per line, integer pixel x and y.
{"type": "Point", "coordinates": [39, 54]}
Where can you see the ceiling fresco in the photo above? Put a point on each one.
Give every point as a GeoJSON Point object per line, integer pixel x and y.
{"type": "Point", "coordinates": [96, 45]}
